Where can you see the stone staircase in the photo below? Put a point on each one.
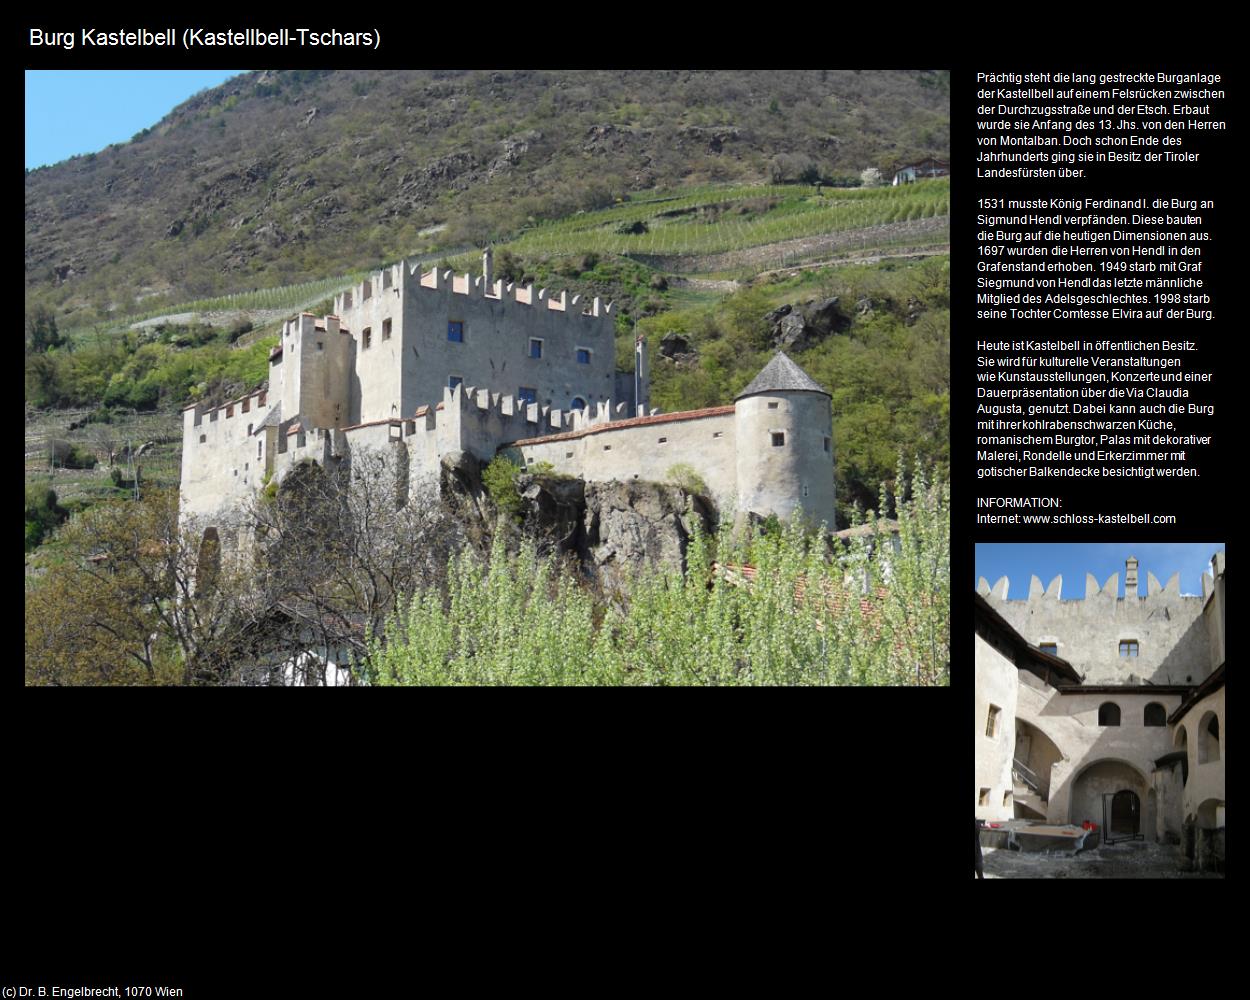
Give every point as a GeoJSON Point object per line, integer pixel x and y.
{"type": "Point", "coordinates": [1026, 790]}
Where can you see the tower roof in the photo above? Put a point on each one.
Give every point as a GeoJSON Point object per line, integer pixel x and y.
{"type": "Point", "coordinates": [782, 375]}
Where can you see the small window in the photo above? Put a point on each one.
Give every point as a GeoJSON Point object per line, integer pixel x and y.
{"type": "Point", "coordinates": [1108, 714]}
{"type": "Point", "coordinates": [984, 797]}
{"type": "Point", "coordinates": [246, 466]}
{"type": "Point", "coordinates": [203, 438]}
{"type": "Point", "coordinates": [991, 723]}
{"type": "Point", "coordinates": [247, 405]}
{"type": "Point", "coordinates": [826, 445]}
{"type": "Point", "coordinates": [1006, 799]}
{"type": "Point", "coordinates": [1128, 647]}
{"type": "Point", "coordinates": [527, 395]}
{"type": "Point", "coordinates": [772, 406]}
{"type": "Point", "coordinates": [367, 336]}
{"type": "Point", "coordinates": [568, 454]}
{"type": "Point", "coordinates": [453, 381]}
{"type": "Point", "coordinates": [536, 347]}
{"type": "Point", "coordinates": [1049, 647]}
{"type": "Point", "coordinates": [805, 492]}
{"type": "Point", "coordinates": [662, 441]}
{"type": "Point", "coordinates": [229, 412]}
{"type": "Point", "coordinates": [1155, 715]}
{"type": "Point", "coordinates": [455, 331]}
{"type": "Point", "coordinates": [583, 356]}
{"type": "Point", "coordinates": [607, 447]}
{"type": "Point", "coordinates": [249, 430]}
{"type": "Point", "coordinates": [779, 439]}
{"type": "Point", "coordinates": [578, 403]}
{"type": "Point", "coordinates": [386, 329]}
{"type": "Point", "coordinates": [321, 345]}
{"type": "Point", "coordinates": [717, 434]}
{"type": "Point", "coordinates": [259, 446]}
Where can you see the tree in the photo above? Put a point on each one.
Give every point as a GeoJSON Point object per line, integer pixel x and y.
{"type": "Point", "coordinates": [122, 605]}
{"type": "Point", "coordinates": [336, 546]}
{"type": "Point", "coordinates": [41, 331]}
{"type": "Point", "coordinates": [871, 177]}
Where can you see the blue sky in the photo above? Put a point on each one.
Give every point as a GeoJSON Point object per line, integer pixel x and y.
{"type": "Point", "coordinates": [1018, 562]}
{"type": "Point", "coordinates": [69, 112]}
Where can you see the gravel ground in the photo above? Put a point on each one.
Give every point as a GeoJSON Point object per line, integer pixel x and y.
{"type": "Point", "coordinates": [1130, 859]}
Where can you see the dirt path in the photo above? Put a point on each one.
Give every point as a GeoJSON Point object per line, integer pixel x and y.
{"type": "Point", "coordinates": [865, 240]}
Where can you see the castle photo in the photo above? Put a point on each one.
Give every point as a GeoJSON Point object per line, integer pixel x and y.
{"type": "Point", "coordinates": [1100, 718]}
{"type": "Point", "coordinates": [431, 365]}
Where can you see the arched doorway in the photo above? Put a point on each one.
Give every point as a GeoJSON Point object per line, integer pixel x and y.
{"type": "Point", "coordinates": [1208, 738]}
{"type": "Point", "coordinates": [1121, 816]}
{"type": "Point", "coordinates": [1105, 779]}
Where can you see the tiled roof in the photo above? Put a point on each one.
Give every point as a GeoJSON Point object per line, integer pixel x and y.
{"type": "Point", "coordinates": [616, 425]}
{"type": "Point", "coordinates": [782, 375]}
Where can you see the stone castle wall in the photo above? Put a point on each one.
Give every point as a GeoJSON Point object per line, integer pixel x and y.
{"type": "Point", "coordinates": [408, 363]}
{"type": "Point", "coordinates": [377, 377]}
{"type": "Point", "coordinates": [1173, 642]}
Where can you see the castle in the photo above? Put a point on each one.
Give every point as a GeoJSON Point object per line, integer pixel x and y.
{"type": "Point", "coordinates": [426, 365]}
{"type": "Point", "coordinates": [1106, 709]}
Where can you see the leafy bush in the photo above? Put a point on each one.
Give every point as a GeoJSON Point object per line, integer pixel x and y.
{"type": "Point", "coordinates": [499, 478]}
{"type": "Point", "coordinates": [43, 514]}
{"type": "Point", "coordinates": [684, 476]}
{"type": "Point", "coordinates": [876, 611]}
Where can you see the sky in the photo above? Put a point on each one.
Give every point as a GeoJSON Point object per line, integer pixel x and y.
{"type": "Point", "coordinates": [69, 112]}
{"type": "Point", "coordinates": [1019, 562]}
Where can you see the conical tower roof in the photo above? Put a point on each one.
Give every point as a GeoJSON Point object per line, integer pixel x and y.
{"type": "Point", "coordinates": [782, 375]}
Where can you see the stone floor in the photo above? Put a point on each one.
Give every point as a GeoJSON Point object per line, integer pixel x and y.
{"type": "Point", "coordinates": [1128, 859]}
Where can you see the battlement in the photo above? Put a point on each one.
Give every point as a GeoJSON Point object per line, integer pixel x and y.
{"type": "Point", "coordinates": [408, 276]}
{"type": "Point", "coordinates": [194, 413]}
{"type": "Point", "coordinates": [1109, 591]}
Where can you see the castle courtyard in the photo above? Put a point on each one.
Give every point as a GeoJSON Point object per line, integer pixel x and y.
{"type": "Point", "coordinates": [1130, 859]}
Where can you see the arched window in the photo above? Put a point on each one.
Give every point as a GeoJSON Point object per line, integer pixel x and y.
{"type": "Point", "coordinates": [1209, 738]}
{"type": "Point", "coordinates": [1108, 714]}
{"type": "Point", "coordinates": [1156, 715]}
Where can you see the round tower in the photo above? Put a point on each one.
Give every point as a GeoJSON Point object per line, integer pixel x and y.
{"type": "Point", "coordinates": [783, 437]}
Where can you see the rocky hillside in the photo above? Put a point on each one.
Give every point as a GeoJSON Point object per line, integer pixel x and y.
{"type": "Point", "coordinates": [277, 177]}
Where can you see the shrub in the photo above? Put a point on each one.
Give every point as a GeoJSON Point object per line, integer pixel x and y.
{"type": "Point", "coordinates": [80, 458]}
{"type": "Point", "coordinates": [684, 477]}
{"type": "Point", "coordinates": [499, 478]}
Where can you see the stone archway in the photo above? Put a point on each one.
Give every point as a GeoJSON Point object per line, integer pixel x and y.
{"type": "Point", "coordinates": [1124, 817]}
{"type": "Point", "coordinates": [1208, 738]}
{"type": "Point", "coordinates": [1101, 777]}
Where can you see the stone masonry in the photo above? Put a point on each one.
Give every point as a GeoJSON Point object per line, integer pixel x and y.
{"type": "Point", "coordinates": [430, 364]}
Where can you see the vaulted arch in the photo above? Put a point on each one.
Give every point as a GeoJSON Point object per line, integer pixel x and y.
{"type": "Point", "coordinates": [1208, 738]}
{"type": "Point", "coordinates": [1107, 776]}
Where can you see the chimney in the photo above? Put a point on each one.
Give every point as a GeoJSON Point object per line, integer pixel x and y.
{"type": "Point", "coordinates": [488, 270]}
{"type": "Point", "coordinates": [1130, 577]}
